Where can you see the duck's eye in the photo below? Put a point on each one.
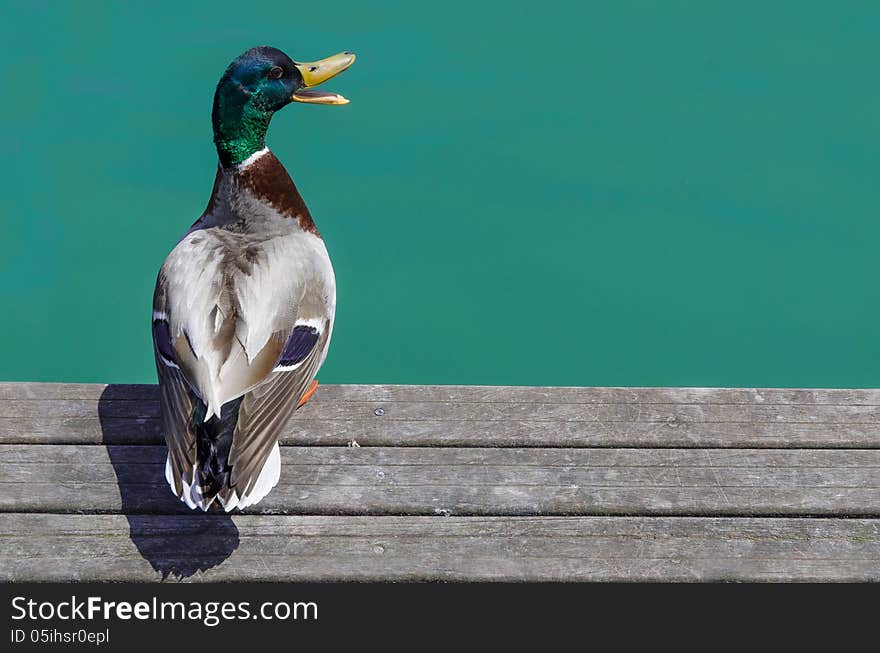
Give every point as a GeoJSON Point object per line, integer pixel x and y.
{"type": "Point", "coordinates": [277, 72]}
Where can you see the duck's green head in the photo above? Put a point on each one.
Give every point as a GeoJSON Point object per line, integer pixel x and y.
{"type": "Point", "coordinates": [256, 85]}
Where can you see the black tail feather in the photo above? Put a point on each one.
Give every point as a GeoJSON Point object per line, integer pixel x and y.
{"type": "Point", "coordinates": [213, 442]}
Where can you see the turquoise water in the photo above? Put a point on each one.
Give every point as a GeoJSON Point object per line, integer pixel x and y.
{"type": "Point", "coordinates": [607, 193]}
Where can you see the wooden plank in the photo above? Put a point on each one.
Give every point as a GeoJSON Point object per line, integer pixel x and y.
{"type": "Point", "coordinates": [46, 547]}
{"type": "Point", "coordinates": [466, 417]}
{"type": "Point", "coordinates": [468, 481]}
{"type": "Point", "coordinates": [373, 431]}
{"type": "Point", "coordinates": [480, 394]}
{"type": "Point", "coordinates": [489, 411]}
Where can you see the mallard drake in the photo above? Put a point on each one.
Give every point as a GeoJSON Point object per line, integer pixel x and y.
{"type": "Point", "coordinates": [244, 304]}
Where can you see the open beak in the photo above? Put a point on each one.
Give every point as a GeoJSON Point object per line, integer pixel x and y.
{"type": "Point", "coordinates": [317, 72]}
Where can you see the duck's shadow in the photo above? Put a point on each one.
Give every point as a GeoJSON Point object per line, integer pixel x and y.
{"type": "Point", "coordinates": [175, 540]}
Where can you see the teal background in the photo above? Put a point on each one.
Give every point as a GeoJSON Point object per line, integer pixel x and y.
{"type": "Point", "coordinates": [550, 193]}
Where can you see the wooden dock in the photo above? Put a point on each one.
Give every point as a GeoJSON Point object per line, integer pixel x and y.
{"type": "Point", "coordinates": [458, 483]}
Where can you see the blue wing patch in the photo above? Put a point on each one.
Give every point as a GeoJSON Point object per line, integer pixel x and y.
{"type": "Point", "coordinates": [300, 343]}
{"type": "Point", "coordinates": [162, 341]}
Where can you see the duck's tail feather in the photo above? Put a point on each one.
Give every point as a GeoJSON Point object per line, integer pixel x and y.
{"type": "Point", "coordinates": [213, 442]}
{"type": "Point", "coordinates": [268, 478]}
{"type": "Point", "coordinates": [212, 474]}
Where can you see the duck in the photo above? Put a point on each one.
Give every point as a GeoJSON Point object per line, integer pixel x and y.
{"type": "Point", "coordinates": [244, 304]}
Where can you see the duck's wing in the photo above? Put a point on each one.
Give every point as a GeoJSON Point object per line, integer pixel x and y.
{"type": "Point", "coordinates": [176, 400]}
{"type": "Point", "coordinates": [257, 418]}
{"type": "Point", "coordinates": [264, 411]}
{"type": "Point", "coordinates": [177, 407]}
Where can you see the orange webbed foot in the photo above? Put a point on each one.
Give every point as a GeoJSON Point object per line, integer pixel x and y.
{"type": "Point", "coordinates": [308, 394]}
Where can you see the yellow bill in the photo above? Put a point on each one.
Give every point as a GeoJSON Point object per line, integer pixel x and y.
{"type": "Point", "coordinates": [318, 72]}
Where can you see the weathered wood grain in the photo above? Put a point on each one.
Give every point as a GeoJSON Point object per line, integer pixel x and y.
{"type": "Point", "coordinates": [468, 481]}
{"type": "Point", "coordinates": [489, 411]}
{"type": "Point", "coordinates": [463, 416]}
{"type": "Point", "coordinates": [49, 547]}
{"type": "Point", "coordinates": [543, 484]}
{"type": "Point", "coordinates": [373, 431]}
